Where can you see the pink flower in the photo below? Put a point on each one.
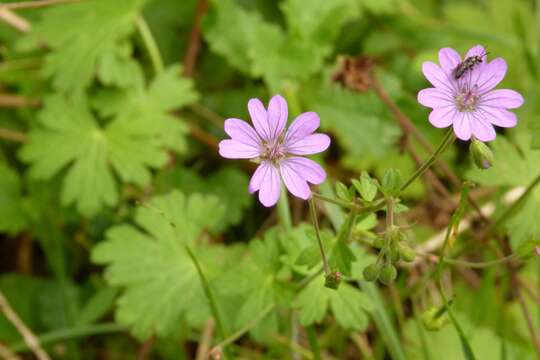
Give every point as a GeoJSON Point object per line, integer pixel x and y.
{"type": "Point", "coordinates": [469, 102]}
{"type": "Point", "coordinates": [276, 150]}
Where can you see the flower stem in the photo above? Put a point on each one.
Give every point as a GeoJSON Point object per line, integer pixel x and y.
{"type": "Point", "coordinates": [447, 140]}
{"type": "Point", "coordinates": [284, 211]}
{"type": "Point", "coordinates": [313, 212]}
{"type": "Point", "coordinates": [339, 202]}
{"type": "Point", "coordinates": [478, 265]}
{"type": "Point", "coordinates": [241, 332]}
{"type": "Point", "coordinates": [150, 44]}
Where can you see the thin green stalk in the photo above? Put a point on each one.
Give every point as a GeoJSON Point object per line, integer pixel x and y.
{"type": "Point", "coordinates": [250, 325]}
{"type": "Point", "coordinates": [313, 342]}
{"type": "Point", "coordinates": [345, 204]}
{"type": "Point", "coordinates": [150, 44]}
{"type": "Point", "coordinates": [480, 264]}
{"type": "Point", "coordinates": [447, 140]}
{"type": "Point", "coordinates": [512, 208]}
{"type": "Point", "coordinates": [315, 221]}
{"type": "Point", "coordinates": [466, 347]}
{"type": "Point", "coordinates": [69, 334]}
{"type": "Point", "coordinates": [284, 211]}
{"type": "Point", "coordinates": [208, 292]}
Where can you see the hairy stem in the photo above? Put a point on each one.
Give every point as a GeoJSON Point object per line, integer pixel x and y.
{"type": "Point", "coordinates": [315, 221]}
{"type": "Point", "coordinates": [284, 211]}
{"type": "Point", "coordinates": [447, 140]}
{"type": "Point", "coordinates": [344, 204]}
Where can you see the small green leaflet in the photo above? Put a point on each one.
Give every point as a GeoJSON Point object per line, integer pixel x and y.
{"type": "Point", "coordinates": [516, 165]}
{"type": "Point", "coordinates": [135, 141]}
{"type": "Point", "coordinates": [348, 304]}
{"type": "Point", "coordinates": [12, 215]}
{"type": "Point", "coordinates": [151, 265]}
{"type": "Point", "coordinates": [80, 35]}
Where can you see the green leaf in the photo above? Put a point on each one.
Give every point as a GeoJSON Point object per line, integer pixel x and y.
{"type": "Point", "coordinates": [391, 182]}
{"type": "Point", "coordinates": [366, 187]}
{"type": "Point", "coordinates": [134, 142]}
{"type": "Point", "coordinates": [342, 258]}
{"type": "Point", "coordinates": [359, 122]}
{"type": "Point", "coordinates": [256, 47]}
{"type": "Point", "coordinates": [516, 165]}
{"type": "Point", "coordinates": [343, 192]}
{"type": "Point", "coordinates": [12, 214]}
{"type": "Point", "coordinates": [348, 304]}
{"type": "Point", "coordinates": [95, 28]}
{"type": "Point", "coordinates": [159, 281]}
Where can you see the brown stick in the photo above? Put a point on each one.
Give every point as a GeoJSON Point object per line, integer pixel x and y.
{"type": "Point", "coordinates": [206, 339]}
{"type": "Point", "coordinates": [29, 338]}
{"type": "Point", "coordinates": [14, 20]}
{"type": "Point", "coordinates": [6, 354]}
{"type": "Point", "coordinates": [529, 291]}
{"type": "Point", "coordinates": [35, 4]}
{"type": "Point", "coordinates": [12, 135]}
{"type": "Point", "coordinates": [16, 101]}
{"type": "Point", "coordinates": [146, 348]}
{"type": "Point", "coordinates": [194, 44]}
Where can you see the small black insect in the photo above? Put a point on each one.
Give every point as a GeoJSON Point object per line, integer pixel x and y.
{"type": "Point", "coordinates": [468, 64]}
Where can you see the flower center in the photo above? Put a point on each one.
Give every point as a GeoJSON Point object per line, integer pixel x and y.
{"type": "Point", "coordinates": [466, 100]}
{"type": "Point", "coordinates": [274, 152]}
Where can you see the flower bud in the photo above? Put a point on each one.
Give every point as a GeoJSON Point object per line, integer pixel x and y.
{"type": "Point", "coordinates": [388, 274]}
{"type": "Point", "coordinates": [407, 254]}
{"type": "Point", "coordinates": [333, 280]}
{"type": "Point", "coordinates": [481, 154]}
{"type": "Point", "coordinates": [434, 319]}
{"type": "Point", "coordinates": [371, 272]}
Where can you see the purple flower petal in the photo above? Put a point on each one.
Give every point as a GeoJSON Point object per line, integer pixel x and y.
{"type": "Point", "coordinates": [491, 75]}
{"type": "Point", "coordinates": [502, 98]}
{"type": "Point", "coordinates": [442, 117]}
{"type": "Point", "coordinates": [434, 98]}
{"type": "Point", "coordinates": [311, 144]}
{"type": "Point", "coordinates": [498, 117]}
{"type": "Point", "coordinates": [241, 131]}
{"type": "Point", "coordinates": [482, 130]}
{"type": "Point", "coordinates": [257, 177]}
{"type": "Point", "coordinates": [462, 127]}
{"type": "Point", "coordinates": [308, 169]}
{"type": "Point", "coordinates": [304, 125]}
{"type": "Point", "coordinates": [233, 149]}
{"type": "Point", "coordinates": [437, 77]}
{"type": "Point", "coordinates": [259, 117]}
{"type": "Point", "coordinates": [294, 181]}
{"type": "Point", "coordinates": [266, 181]}
{"type": "Point", "coordinates": [477, 50]}
{"type": "Point", "coordinates": [449, 59]}
{"type": "Point", "coordinates": [277, 115]}
{"type": "Point", "coordinates": [270, 185]}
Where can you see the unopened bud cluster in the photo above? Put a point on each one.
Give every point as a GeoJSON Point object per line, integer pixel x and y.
{"type": "Point", "coordinates": [393, 248]}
